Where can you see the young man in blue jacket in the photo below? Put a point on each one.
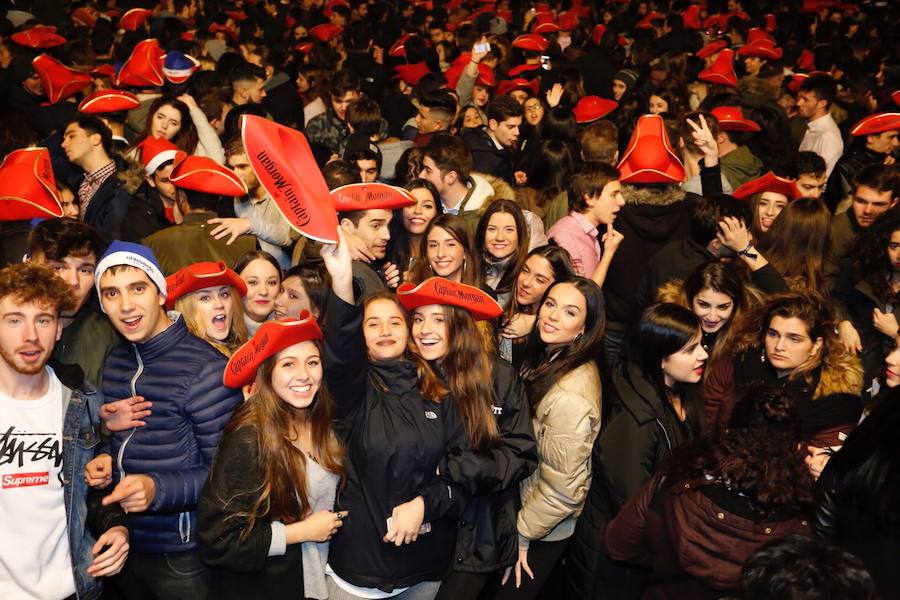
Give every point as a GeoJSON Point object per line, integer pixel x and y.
{"type": "Point", "coordinates": [159, 468]}
{"type": "Point", "coordinates": [49, 430]}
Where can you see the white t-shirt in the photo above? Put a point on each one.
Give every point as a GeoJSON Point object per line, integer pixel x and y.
{"type": "Point", "coordinates": [34, 544]}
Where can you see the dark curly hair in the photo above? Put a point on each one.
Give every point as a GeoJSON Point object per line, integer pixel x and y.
{"type": "Point", "coordinates": [870, 259]}
{"type": "Point", "coordinates": [759, 456]}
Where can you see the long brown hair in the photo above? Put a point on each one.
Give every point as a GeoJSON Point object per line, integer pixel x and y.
{"type": "Point", "coordinates": [430, 385]}
{"type": "Point", "coordinates": [798, 242]}
{"type": "Point", "coordinates": [467, 369]}
{"type": "Point", "coordinates": [283, 494]}
{"type": "Point", "coordinates": [456, 227]}
{"type": "Point", "coordinates": [186, 139]}
{"type": "Point", "coordinates": [517, 258]}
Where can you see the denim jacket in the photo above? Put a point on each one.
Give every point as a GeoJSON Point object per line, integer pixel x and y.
{"type": "Point", "coordinates": [86, 517]}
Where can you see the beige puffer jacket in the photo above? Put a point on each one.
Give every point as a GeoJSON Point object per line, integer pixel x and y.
{"type": "Point", "coordinates": [566, 423]}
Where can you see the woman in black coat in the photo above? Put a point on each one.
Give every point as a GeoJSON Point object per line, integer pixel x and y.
{"type": "Point", "coordinates": [265, 514]}
{"type": "Point", "coordinates": [657, 407]}
{"type": "Point", "coordinates": [500, 450]}
{"type": "Point", "coordinates": [397, 425]}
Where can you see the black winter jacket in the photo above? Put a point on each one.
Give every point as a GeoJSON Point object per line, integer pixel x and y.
{"type": "Point", "coordinates": [840, 182]}
{"type": "Point", "coordinates": [487, 157]}
{"type": "Point", "coordinates": [395, 443]}
{"type": "Point", "coordinates": [108, 206]}
{"type": "Point", "coordinates": [145, 216]}
{"type": "Point", "coordinates": [241, 568]}
{"type": "Point", "coordinates": [630, 448]}
{"type": "Point", "coordinates": [486, 539]}
{"type": "Point", "coordinates": [182, 375]}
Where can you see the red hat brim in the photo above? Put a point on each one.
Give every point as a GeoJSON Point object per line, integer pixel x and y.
{"type": "Point", "coordinates": [649, 157]}
{"type": "Point", "coordinates": [107, 101]}
{"type": "Point", "coordinates": [591, 108]}
{"type": "Point", "coordinates": [27, 186]}
{"type": "Point", "coordinates": [286, 168]}
{"type": "Point", "coordinates": [711, 48]}
{"type": "Point", "coordinates": [877, 123]}
{"type": "Point", "coordinates": [413, 73]}
{"type": "Point", "coordinates": [134, 18]}
{"type": "Point", "coordinates": [200, 276]}
{"type": "Point", "coordinates": [39, 38]}
{"type": "Point", "coordinates": [531, 41]}
{"type": "Point", "coordinates": [325, 31]}
{"type": "Point", "coordinates": [271, 338]}
{"type": "Point", "coordinates": [437, 290]}
{"type": "Point", "coordinates": [731, 118]}
{"type": "Point", "coordinates": [768, 183]}
{"type": "Point", "coordinates": [761, 49]}
{"type": "Point", "coordinates": [59, 81]}
{"type": "Point", "coordinates": [370, 196]}
{"type": "Point", "coordinates": [895, 96]}
{"type": "Point", "coordinates": [203, 174]}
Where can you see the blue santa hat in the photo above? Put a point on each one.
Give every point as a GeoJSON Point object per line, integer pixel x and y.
{"type": "Point", "coordinates": [132, 255]}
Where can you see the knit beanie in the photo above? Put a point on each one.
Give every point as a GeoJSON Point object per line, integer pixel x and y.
{"type": "Point", "coordinates": [132, 255]}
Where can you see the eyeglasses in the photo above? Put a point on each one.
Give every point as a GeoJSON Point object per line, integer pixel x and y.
{"type": "Point", "coordinates": [534, 108]}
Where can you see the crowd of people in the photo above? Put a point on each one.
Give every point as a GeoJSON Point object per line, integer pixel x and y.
{"type": "Point", "coordinates": [456, 299]}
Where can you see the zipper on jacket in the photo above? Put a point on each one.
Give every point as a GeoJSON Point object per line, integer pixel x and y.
{"type": "Point", "coordinates": [665, 433]}
{"type": "Point", "coordinates": [134, 378]}
{"type": "Point", "coordinates": [184, 527]}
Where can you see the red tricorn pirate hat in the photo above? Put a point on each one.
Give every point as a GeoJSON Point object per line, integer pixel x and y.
{"type": "Point", "coordinates": [770, 182]}
{"type": "Point", "coordinates": [134, 18]}
{"type": "Point", "coordinates": [27, 186]}
{"type": "Point", "coordinates": [369, 196]}
{"type": "Point", "coordinates": [731, 118]}
{"type": "Point", "coordinates": [895, 96]}
{"type": "Point", "coordinates": [522, 69]}
{"type": "Point", "coordinates": [85, 16]}
{"type": "Point", "coordinates": [157, 150]}
{"type": "Point", "coordinates": [326, 31]}
{"type": "Point", "coordinates": [203, 174]}
{"type": "Point", "coordinates": [691, 17]}
{"type": "Point", "coordinates": [413, 73]}
{"type": "Point", "coordinates": [271, 338]}
{"type": "Point", "coordinates": [304, 47]}
{"type": "Point", "coordinates": [486, 76]}
{"type": "Point", "coordinates": [437, 290]}
{"type": "Point", "coordinates": [568, 20]}
{"type": "Point", "coordinates": [591, 108]}
{"type": "Point", "coordinates": [531, 41]}
{"type": "Point", "coordinates": [721, 71]}
{"type": "Point", "coordinates": [519, 83]}
{"type": "Point", "coordinates": [877, 123]}
{"type": "Point", "coordinates": [39, 36]}
{"type": "Point", "coordinates": [106, 70]}
{"type": "Point", "coordinates": [647, 22]}
{"type": "Point", "coordinates": [711, 48]}
{"type": "Point", "coordinates": [543, 24]}
{"type": "Point", "coordinates": [649, 157]}
{"type": "Point", "coordinates": [761, 48]}
{"type": "Point", "coordinates": [59, 81]}
{"type": "Point", "coordinates": [755, 34]}
{"type": "Point", "coordinates": [199, 276]}
{"type": "Point", "coordinates": [144, 68]}
{"type": "Point", "coordinates": [806, 60]}
{"type": "Point", "coordinates": [107, 101]}
{"type": "Point", "coordinates": [285, 166]}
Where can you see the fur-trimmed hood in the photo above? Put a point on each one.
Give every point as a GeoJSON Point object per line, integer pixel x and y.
{"type": "Point", "coordinates": [656, 195]}
{"type": "Point", "coordinates": [842, 374]}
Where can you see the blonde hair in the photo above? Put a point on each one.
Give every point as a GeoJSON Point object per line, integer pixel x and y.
{"type": "Point", "coordinates": [237, 333]}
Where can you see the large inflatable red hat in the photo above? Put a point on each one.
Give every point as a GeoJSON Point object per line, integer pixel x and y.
{"type": "Point", "coordinates": [108, 101]}
{"type": "Point", "coordinates": [877, 123]}
{"type": "Point", "coordinates": [761, 48]}
{"type": "Point", "coordinates": [203, 174]}
{"type": "Point", "coordinates": [27, 186]}
{"type": "Point", "coordinates": [370, 196]}
{"type": "Point", "coordinates": [271, 338]}
{"type": "Point", "coordinates": [134, 18]}
{"type": "Point", "coordinates": [437, 290]}
{"type": "Point", "coordinates": [286, 168]}
{"type": "Point", "coordinates": [59, 81]}
{"type": "Point", "coordinates": [531, 41]}
{"type": "Point", "coordinates": [39, 36]}
{"type": "Point", "coordinates": [591, 108]}
{"type": "Point", "coordinates": [770, 182]}
{"type": "Point", "coordinates": [144, 68]}
{"type": "Point", "coordinates": [721, 71]}
{"type": "Point", "coordinates": [200, 276]}
{"type": "Point", "coordinates": [731, 118]}
{"type": "Point", "coordinates": [649, 157]}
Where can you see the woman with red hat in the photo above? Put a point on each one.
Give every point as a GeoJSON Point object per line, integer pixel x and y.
{"type": "Point", "coordinates": [398, 426]}
{"type": "Point", "coordinates": [500, 450]}
{"type": "Point", "coordinates": [207, 294]}
{"type": "Point", "coordinates": [265, 515]}
{"type": "Point", "coordinates": [562, 379]}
